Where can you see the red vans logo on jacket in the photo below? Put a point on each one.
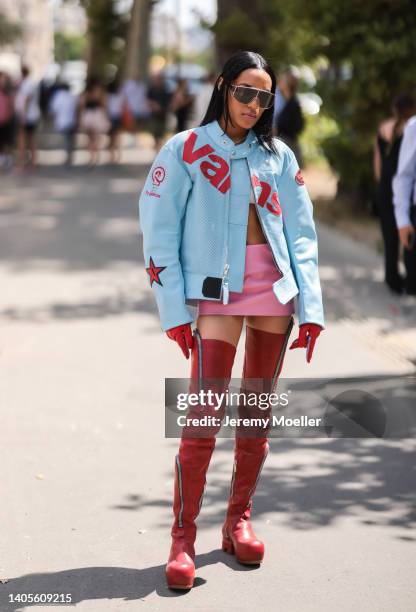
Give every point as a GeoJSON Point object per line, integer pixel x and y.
{"type": "Point", "coordinates": [272, 204]}
{"type": "Point", "coordinates": [217, 171]}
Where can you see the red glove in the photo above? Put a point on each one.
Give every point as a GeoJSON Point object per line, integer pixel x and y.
{"type": "Point", "coordinates": [182, 334]}
{"type": "Point", "coordinates": [308, 333]}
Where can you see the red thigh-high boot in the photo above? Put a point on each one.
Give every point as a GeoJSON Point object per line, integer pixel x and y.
{"type": "Point", "coordinates": [210, 359]}
{"type": "Point", "coordinates": [264, 355]}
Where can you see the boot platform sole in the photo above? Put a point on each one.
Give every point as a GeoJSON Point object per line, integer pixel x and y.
{"type": "Point", "coordinates": [180, 587]}
{"type": "Point", "coordinates": [228, 547]}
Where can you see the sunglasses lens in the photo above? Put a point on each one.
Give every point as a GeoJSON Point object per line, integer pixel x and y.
{"type": "Point", "coordinates": [246, 94]}
{"type": "Point", "coordinates": [265, 99]}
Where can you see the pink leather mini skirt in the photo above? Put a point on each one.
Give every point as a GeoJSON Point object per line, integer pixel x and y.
{"type": "Point", "coordinates": [257, 297]}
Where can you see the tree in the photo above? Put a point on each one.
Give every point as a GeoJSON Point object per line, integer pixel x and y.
{"type": "Point", "coordinates": [369, 48]}
{"type": "Point", "coordinates": [69, 47]}
{"type": "Point", "coordinates": [136, 54]}
{"type": "Point", "coordinates": [8, 31]}
{"type": "Point", "coordinates": [106, 28]}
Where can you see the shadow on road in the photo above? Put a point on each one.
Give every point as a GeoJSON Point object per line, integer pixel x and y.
{"type": "Point", "coordinates": [88, 583]}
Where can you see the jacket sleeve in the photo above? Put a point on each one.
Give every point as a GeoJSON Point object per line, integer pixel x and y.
{"type": "Point", "coordinates": [162, 205]}
{"type": "Point", "coordinates": [300, 234]}
{"type": "Point", "coordinates": [404, 180]}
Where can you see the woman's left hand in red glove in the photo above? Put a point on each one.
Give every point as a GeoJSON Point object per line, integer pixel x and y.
{"type": "Point", "coordinates": [308, 333]}
{"type": "Point", "coordinates": [182, 334]}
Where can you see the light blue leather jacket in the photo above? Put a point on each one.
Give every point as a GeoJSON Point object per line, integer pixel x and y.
{"type": "Point", "coordinates": [194, 214]}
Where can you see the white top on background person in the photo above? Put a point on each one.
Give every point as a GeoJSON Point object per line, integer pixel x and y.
{"type": "Point", "coordinates": [115, 103]}
{"type": "Point", "coordinates": [404, 182]}
{"type": "Point", "coordinates": [27, 101]}
{"type": "Point", "coordinates": [202, 99]}
{"type": "Point", "coordinates": [63, 107]}
{"type": "Point", "coordinates": [135, 94]}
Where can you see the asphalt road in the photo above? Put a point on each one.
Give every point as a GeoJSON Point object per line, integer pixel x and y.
{"type": "Point", "coordinates": [87, 474]}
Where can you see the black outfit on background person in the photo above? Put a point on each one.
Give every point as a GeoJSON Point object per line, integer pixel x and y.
{"type": "Point", "coordinates": [161, 95]}
{"type": "Point", "coordinates": [289, 125]}
{"type": "Point", "coordinates": [389, 160]}
{"type": "Point", "coordinates": [182, 115]}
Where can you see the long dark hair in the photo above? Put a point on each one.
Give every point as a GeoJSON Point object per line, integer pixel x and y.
{"type": "Point", "coordinates": [403, 106]}
{"type": "Point", "coordinates": [219, 100]}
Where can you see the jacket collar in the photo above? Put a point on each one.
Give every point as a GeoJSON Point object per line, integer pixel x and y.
{"type": "Point", "coordinates": [223, 141]}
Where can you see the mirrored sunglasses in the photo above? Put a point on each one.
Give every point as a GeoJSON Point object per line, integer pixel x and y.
{"type": "Point", "coordinates": [245, 95]}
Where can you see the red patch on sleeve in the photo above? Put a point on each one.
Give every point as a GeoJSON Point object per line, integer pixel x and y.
{"type": "Point", "coordinates": [299, 178]}
{"type": "Point", "coordinates": [154, 271]}
{"type": "Point", "coordinates": [158, 175]}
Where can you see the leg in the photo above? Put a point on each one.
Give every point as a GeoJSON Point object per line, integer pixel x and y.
{"type": "Point", "coordinates": [31, 141]}
{"type": "Point", "coordinates": [264, 354]}
{"type": "Point", "coordinates": [211, 358]}
{"type": "Point", "coordinates": [21, 146]}
{"type": "Point", "coordinates": [391, 248]}
{"type": "Point", "coordinates": [409, 256]}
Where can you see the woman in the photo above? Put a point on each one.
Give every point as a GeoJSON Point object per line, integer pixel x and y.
{"type": "Point", "coordinates": [205, 244]}
{"type": "Point", "coordinates": [289, 121]}
{"type": "Point", "coordinates": [181, 104]}
{"type": "Point", "coordinates": [386, 157]}
{"type": "Point", "coordinates": [115, 104]}
{"type": "Point", "coordinates": [6, 122]}
{"type": "Point", "coordinates": [93, 117]}
{"type": "Point", "coordinates": [158, 99]}
{"type": "Point", "coordinates": [28, 116]}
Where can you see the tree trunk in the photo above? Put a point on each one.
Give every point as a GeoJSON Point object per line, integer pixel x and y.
{"type": "Point", "coordinates": [97, 53]}
{"type": "Point", "coordinates": [135, 65]}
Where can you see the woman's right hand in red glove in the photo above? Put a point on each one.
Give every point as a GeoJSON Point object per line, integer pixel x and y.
{"type": "Point", "coordinates": [182, 334]}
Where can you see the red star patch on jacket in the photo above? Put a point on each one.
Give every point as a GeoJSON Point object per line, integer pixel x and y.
{"type": "Point", "coordinates": [154, 271]}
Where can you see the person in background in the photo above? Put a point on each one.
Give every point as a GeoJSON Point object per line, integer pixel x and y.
{"type": "Point", "coordinates": [159, 98]}
{"type": "Point", "coordinates": [93, 117]}
{"type": "Point", "coordinates": [115, 102]}
{"type": "Point", "coordinates": [202, 98]}
{"type": "Point", "coordinates": [181, 104]}
{"type": "Point", "coordinates": [28, 116]}
{"type": "Point", "coordinates": [6, 122]}
{"type": "Point", "coordinates": [64, 106]}
{"type": "Point", "coordinates": [404, 201]}
{"type": "Point", "coordinates": [134, 93]}
{"type": "Point", "coordinates": [288, 119]}
{"type": "Point", "coordinates": [386, 156]}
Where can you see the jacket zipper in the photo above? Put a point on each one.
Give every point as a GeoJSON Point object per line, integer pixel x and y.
{"type": "Point", "coordinates": [225, 291]}
{"type": "Point", "coordinates": [224, 285]}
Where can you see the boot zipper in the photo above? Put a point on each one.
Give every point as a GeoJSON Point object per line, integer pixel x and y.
{"type": "Point", "coordinates": [180, 514]}
{"type": "Point", "coordinates": [199, 347]}
{"type": "Point", "coordinates": [282, 353]}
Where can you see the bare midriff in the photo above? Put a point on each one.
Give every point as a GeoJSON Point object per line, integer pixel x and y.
{"type": "Point", "coordinates": [255, 233]}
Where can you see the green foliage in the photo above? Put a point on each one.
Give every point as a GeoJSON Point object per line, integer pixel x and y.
{"type": "Point", "coordinates": [318, 129]}
{"type": "Point", "coordinates": [238, 31]}
{"type": "Point", "coordinates": [68, 47]}
{"type": "Point", "coordinates": [376, 44]}
{"type": "Point", "coordinates": [369, 49]}
{"type": "Point", "coordinates": [8, 30]}
{"type": "Point", "coordinates": [106, 34]}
